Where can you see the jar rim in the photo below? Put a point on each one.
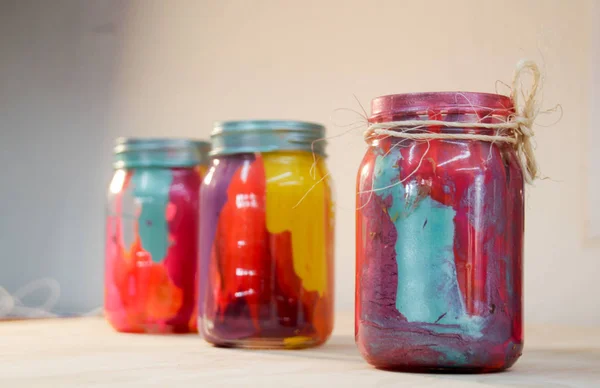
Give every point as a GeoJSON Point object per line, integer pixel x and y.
{"type": "Point", "coordinates": [452, 102]}
{"type": "Point", "coordinates": [220, 127]}
{"type": "Point", "coordinates": [133, 152]}
{"type": "Point", "coordinates": [128, 144]}
{"type": "Point", "coordinates": [247, 136]}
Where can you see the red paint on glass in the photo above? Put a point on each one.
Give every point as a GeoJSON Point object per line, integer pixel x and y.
{"type": "Point", "coordinates": [142, 295]}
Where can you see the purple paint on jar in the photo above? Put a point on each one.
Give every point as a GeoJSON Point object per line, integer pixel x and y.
{"type": "Point", "coordinates": [181, 260]}
{"type": "Point", "coordinates": [213, 196]}
{"type": "Point", "coordinates": [379, 279]}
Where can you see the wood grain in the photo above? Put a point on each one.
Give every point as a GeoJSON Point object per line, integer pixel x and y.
{"type": "Point", "coordinates": [86, 352]}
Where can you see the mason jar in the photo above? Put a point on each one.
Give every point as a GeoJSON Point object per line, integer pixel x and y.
{"type": "Point", "coordinates": [266, 237]}
{"type": "Point", "coordinates": [439, 239]}
{"type": "Point", "coordinates": [152, 236]}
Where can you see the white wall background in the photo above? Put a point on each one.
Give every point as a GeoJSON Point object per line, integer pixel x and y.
{"type": "Point", "coordinates": [57, 64]}
{"type": "Point", "coordinates": [172, 68]}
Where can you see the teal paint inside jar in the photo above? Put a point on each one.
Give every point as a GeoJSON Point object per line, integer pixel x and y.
{"type": "Point", "coordinates": [150, 161]}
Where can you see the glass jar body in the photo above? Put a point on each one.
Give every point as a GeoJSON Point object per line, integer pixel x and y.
{"type": "Point", "coordinates": [266, 251]}
{"type": "Point", "coordinates": [439, 244]}
{"type": "Point", "coordinates": [151, 249]}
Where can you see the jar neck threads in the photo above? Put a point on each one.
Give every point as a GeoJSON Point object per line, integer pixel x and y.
{"type": "Point", "coordinates": [235, 137]}
{"type": "Point", "coordinates": [156, 152]}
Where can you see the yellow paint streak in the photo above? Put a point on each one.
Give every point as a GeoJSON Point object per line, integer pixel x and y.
{"type": "Point", "coordinates": [288, 180]}
{"type": "Point", "coordinates": [296, 342]}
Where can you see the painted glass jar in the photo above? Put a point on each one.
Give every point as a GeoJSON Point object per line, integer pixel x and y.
{"type": "Point", "coordinates": [439, 240]}
{"type": "Point", "coordinates": [266, 237]}
{"type": "Point", "coordinates": [152, 236]}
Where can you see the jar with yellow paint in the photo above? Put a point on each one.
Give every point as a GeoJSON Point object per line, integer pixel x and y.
{"type": "Point", "coordinates": [266, 237]}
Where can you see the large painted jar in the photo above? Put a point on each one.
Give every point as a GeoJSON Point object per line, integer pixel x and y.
{"type": "Point", "coordinates": [439, 239]}
{"type": "Point", "coordinates": [152, 236]}
{"type": "Point", "coordinates": [266, 237]}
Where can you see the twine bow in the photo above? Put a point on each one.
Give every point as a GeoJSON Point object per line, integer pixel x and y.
{"type": "Point", "coordinates": [525, 115]}
{"type": "Point", "coordinates": [517, 130]}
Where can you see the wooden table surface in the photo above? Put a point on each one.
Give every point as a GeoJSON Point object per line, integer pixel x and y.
{"type": "Point", "coordinates": [86, 352]}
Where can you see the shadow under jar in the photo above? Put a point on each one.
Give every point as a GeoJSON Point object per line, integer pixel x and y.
{"type": "Point", "coordinates": [439, 240]}
{"type": "Point", "coordinates": [266, 237]}
{"type": "Point", "coordinates": [152, 236]}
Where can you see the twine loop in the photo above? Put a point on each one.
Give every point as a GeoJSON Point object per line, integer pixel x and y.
{"type": "Point", "coordinates": [517, 130]}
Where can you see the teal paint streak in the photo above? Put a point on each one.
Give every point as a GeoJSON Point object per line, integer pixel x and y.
{"type": "Point", "coordinates": [428, 290]}
{"type": "Point", "coordinates": [151, 190]}
{"type": "Point", "coordinates": [454, 356]}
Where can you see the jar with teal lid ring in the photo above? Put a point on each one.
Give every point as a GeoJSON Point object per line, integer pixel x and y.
{"type": "Point", "coordinates": [152, 226]}
{"type": "Point", "coordinates": [266, 236]}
